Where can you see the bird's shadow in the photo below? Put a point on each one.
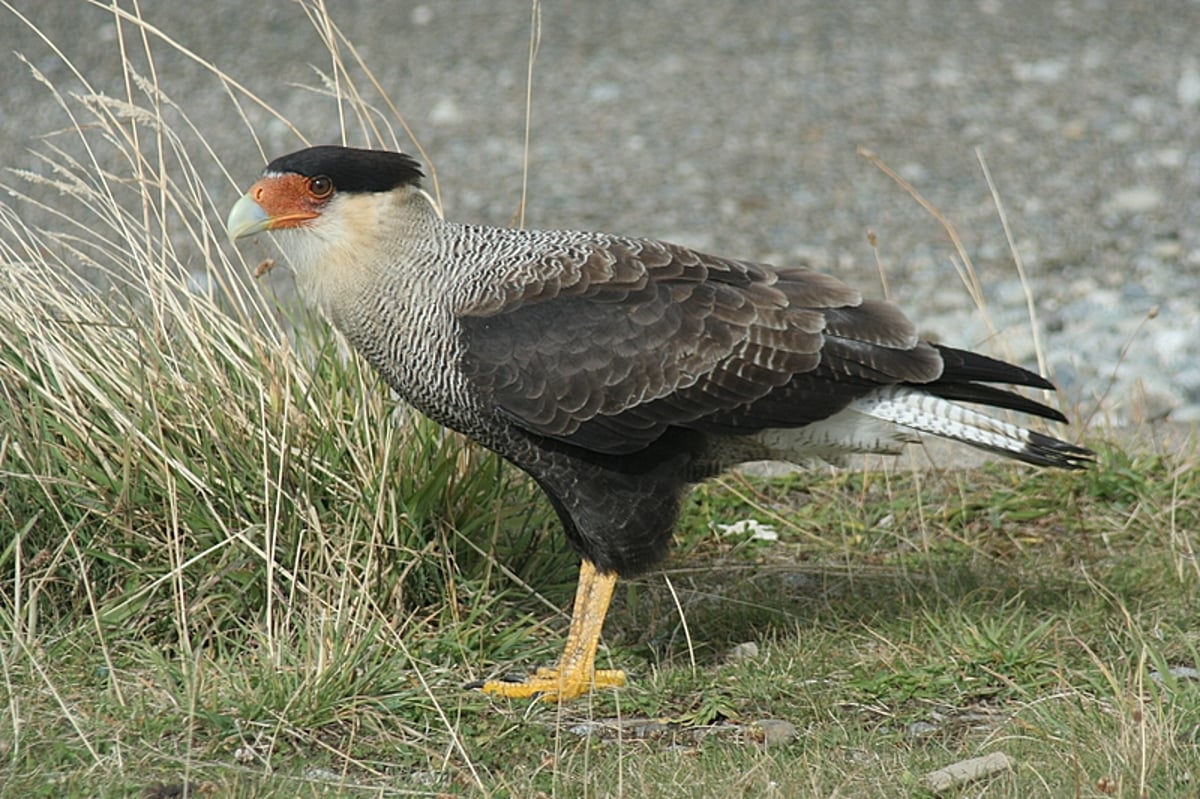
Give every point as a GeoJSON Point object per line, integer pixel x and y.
{"type": "Point", "coordinates": [701, 611]}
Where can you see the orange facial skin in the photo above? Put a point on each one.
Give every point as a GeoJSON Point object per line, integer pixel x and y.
{"type": "Point", "coordinates": [291, 200]}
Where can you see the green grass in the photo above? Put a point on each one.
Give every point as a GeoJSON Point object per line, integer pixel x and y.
{"type": "Point", "coordinates": [889, 662]}
{"type": "Point", "coordinates": [227, 560]}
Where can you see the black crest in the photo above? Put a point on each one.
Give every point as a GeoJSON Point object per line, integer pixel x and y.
{"type": "Point", "coordinates": [352, 169]}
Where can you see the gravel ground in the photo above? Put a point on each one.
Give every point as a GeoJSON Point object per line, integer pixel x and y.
{"type": "Point", "coordinates": [734, 126]}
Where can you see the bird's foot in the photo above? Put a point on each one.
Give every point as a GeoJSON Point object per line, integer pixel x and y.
{"type": "Point", "coordinates": [551, 685]}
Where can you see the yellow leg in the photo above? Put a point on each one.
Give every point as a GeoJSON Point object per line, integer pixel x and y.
{"type": "Point", "coordinates": [575, 673]}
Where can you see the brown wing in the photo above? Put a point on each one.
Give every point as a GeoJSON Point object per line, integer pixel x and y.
{"type": "Point", "coordinates": [607, 342]}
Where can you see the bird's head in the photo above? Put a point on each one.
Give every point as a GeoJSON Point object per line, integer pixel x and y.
{"type": "Point", "coordinates": [342, 215]}
{"type": "Point", "coordinates": [301, 189]}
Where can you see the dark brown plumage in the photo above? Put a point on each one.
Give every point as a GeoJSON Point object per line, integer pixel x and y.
{"type": "Point", "coordinates": [617, 371]}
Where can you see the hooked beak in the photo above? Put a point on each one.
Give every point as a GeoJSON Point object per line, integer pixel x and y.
{"type": "Point", "coordinates": [247, 218]}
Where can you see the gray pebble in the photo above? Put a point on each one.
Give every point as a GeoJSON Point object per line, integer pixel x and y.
{"type": "Point", "coordinates": [775, 732]}
{"type": "Point", "coordinates": [1178, 672]}
{"type": "Point", "coordinates": [744, 651]}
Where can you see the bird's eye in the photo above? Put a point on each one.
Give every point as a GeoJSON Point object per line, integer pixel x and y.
{"type": "Point", "coordinates": [320, 187]}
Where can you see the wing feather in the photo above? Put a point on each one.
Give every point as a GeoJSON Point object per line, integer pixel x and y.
{"type": "Point", "coordinates": [606, 342]}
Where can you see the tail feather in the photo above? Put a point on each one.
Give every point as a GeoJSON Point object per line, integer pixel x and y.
{"type": "Point", "coordinates": [964, 366]}
{"type": "Point", "coordinates": [917, 409]}
{"type": "Point", "coordinates": [980, 394]}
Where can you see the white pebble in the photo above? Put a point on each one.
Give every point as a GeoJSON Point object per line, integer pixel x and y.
{"type": "Point", "coordinates": [445, 112]}
{"type": "Point", "coordinates": [1188, 87]}
{"type": "Point", "coordinates": [1135, 199]}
